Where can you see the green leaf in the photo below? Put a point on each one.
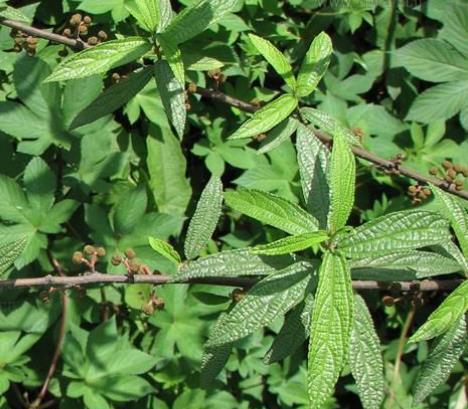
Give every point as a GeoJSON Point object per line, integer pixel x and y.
{"type": "Point", "coordinates": [214, 360]}
{"type": "Point", "coordinates": [12, 13]}
{"type": "Point", "coordinates": [174, 57]}
{"type": "Point", "coordinates": [195, 19]}
{"type": "Point", "coordinates": [394, 232]}
{"type": "Point", "coordinates": [328, 124]}
{"type": "Point", "coordinates": [278, 135]}
{"type": "Point", "coordinates": [342, 179]}
{"type": "Point", "coordinates": [13, 200]}
{"type": "Point", "coordinates": [432, 60]}
{"type": "Point", "coordinates": [313, 158]}
{"type": "Point", "coordinates": [272, 297]}
{"type": "Point", "coordinates": [330, 328]}
{"type": "Point", "coordinates": [100, 58]}
{"type": "Point", "coordinates": [365, 358]}
{"type": "Point", "coordinates": [272, 210]}
{"type": "Point", "coordinates": [275, 58]}
{"type": "Point", "coordinates": [172, 95]}
{"type": "Point", "coordinates": [442, 358]}
{"type": "Point", "coordinates": [138, 295]}
{"type": "Point", "coordinates": [456, 214]}
{"type": "Point", "coordinates": [445, 316]}
{"type": "Point", "coordinates": [291, 244]}
{"type": "Point", "coordinates": [314, 65]}
{"type": "Point", "coordinates": [166, 14]}
{"type": "Point", "coordinates": [232, 263]}
{"type": "Point", "coordinates": [146, 12]}
{"type": "Point", "coordinates": [113, 97]}
{"type": "Point", "coordinates": [10, 251]}
{"type": "Point", "coordinates": [204, 220]}
{"type": "Point", "coordinates": [165, 249]}
{"type": "Point", "coordinates": [130, 209]}
{"type": "Point", "coordinates": [267, 117]}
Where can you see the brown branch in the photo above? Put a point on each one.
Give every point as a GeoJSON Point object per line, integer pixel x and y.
{"type": "Point", "coordinates": [248, 107]}
{"type": "Point", "coordinates": [100, 278]}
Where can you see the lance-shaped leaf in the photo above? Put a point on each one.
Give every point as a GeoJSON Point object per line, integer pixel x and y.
{"type": "Point", "coordinates": [313, 158]}
{"type": "Point", "coordinates": [452, 249]}
{"type": "Point", "coordinates": [113, 97]}
{"type": "Point", "coordinates": [457, 215]}
{"type": "Point", "coordinates": [291, 244]}
{"type": "Point", "coordinates": [232, 263]}
{"type": "Point", "coordinates": [423, 263]}
{"type": "Point", "coordinates": [328, 124]}
{"type": "Point", "coordinates": [174, 57]}
{"type": "Point", "coordinates": [278, 135]}
{"type": "Point", "coordinates": [342, 179]}
{"type": "Point", "coordinates": [10, 251]}
{"type": "Point", "coordinates": [267, 117]}
{"type": "Point", "coordinates": [365, 358]}
{"type": "Point", "coordinates": [314, 65]}
{"type": "Point", "coordinates": [100, 58]}
{"type": "Point", "coordinates": [272, 210]}
{"type": "Point", "coordinates": [394, 232]}
{"type": "Point", "coordinates": [166, 14]}
{"type": "Point", "coordinates": [195, 19]}
{"type": "Point", "coordinates": [205, 218]}
{"type": "Point", "coordinates": [172, 95]}
{"type": "Point", "coordinates": [445, 316]}
{"type": "Point", "coordinates": [275, 58]}
{"type": "Point", "coordinates": [165, 249]}
{"type": "Point", "coordinates": [293, 333]}
{"type": "Point", "coordinates": [442, 358]}
{"type": "Point", "coordinates": [213, 361]}
{"type": "Point", "coordinates": [267, 300]}
{"type": "Point", "coordinates": [330, 328]}
{"type": "Point", "coordinates": [146, 12]}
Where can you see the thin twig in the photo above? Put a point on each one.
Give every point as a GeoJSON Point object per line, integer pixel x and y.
{"type": "Point", "coordinates": [248, 107]}
{"type": "Point", "coordinates": [100, 278]}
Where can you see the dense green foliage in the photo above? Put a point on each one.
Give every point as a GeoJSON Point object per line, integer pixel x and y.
{"type": "Point", "coordinates": [113, 162]}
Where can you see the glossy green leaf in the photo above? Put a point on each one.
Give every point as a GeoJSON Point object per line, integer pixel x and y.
{"type": "Point", "coordinates": [267, 117]}
{"type": "Point", "coordinates": [272, 297]}
{"type": "Point", "coordinates": [365, 358]}
{"type": "Point", "coordinates": [205, 218]}
{"type": "Point", "coordinates": [314, 65]}
{"type": "Point", "coordinates": [174, 57]}
{"type": "Point", "coordinates": [445, 316]}
{"type": "Point", "coordinates": [330, 328]}
{"type": "Point", "coordinates": [146, 12]}
{"type": "Point", "coordinates": [275, 58]}
{"type": "Point", "coordinates": [113, 97]}
{"type": "Point", "coordinates": [232, 263]}
{"type": "Point", "coordinates": [313, 158]}
{"type": "Point", "coordinates": [291, 244]}
{"type": "Point", "coordinates": [394, 232]}
{"type": "Point", "coordinates": [443, 356]}
{"type": "Point", "coordinates": [196, 18]}
{"type": "Point", "coordinates": [328, 124]}
{"type": "Point", "coordinates": [100, 58]}
{"type": "Point", "coordinates": [342, 179]}
{"type": "Point", "coordinates": [272, 210]}
{"type": "Point", "coordinates": [165, 249]}
{"type": "Point", "coordinates": [172, 95]}
{"type": "Point", "coordinates": [10, 251]}
{"type": "Point", "coordinates": [456, 214]}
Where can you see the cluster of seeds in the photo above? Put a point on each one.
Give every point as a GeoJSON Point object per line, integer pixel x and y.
{"type": "Point", "coordinates": [24, 42]}
{"type": "Point", "coordinates": [418, 193]}
{"type": "Point", "coordinates": [79, 25]}
{"type": "Point", "coordinates": [453, 174]}
{"type": "Point", "coordinates": [130, 262]}
{"type": "Point", "coordinates": [89, 256]}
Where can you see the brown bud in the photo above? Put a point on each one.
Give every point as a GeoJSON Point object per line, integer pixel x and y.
{"type": "Point", "coordinates": [458, 168]}
{"type": "Point", "coordinates": [134, 267]}
{"type": "Point", "coordinates": [88, 249]}
{"type": "Point", "coordinates": [87, 20]}
{"type": "Point", "coordinates": [102, 35]}
{"type": "Point", "coordinates": [422, 195]}
{"type": "Point", "coordinates": [130, 253]}
{"type": "Point", "coordinates": [465, 171]}
{"type": "Point", "coordinates": [101, 251]}
{"type": "Point", "coordinates": [67, 32]}
{"type": "Point", "coordinates": [458, 188]}
{"type": "Point", "coordinates": [192, 88]}
{"type": "Point", "coordinates": [448, 178]}
{"type": "Point", "coordinates": [76, 19]}
{"type": "Point", "coordinates": [452, 173]}
{"type": "Point", "coordinates": [31, 40]}
{"type": "Point", "coordinates": [83, 30]}
{"type": "Point", "coordinates": [116, 260]}
{"type": "Point", "coordinates": [77, 257]}
{"type": "Point", "coordinates": [459, 182]}
{"type": "Point", "coordinates": [92, 40]}
{"type": "Point", "coordinates": [413, 188]}
{"type": "Point", "coordinates": [237, 294]}
{"type": "Point", "coordinates": [427, 191]}
{"type": "Point", "coordinates": [148, 308]}
{"type": "Point", "coordinates": [434, 171]}
{"type": "Point", "coordinates": [158, 303]}
{"type": "Point", "coordinates": [447, 164]}
{"type": "Point", "coordinates": [388, 300]}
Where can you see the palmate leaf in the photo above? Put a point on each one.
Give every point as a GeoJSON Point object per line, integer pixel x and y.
{"type": "Point", "coordinates": [330, 328]}
{"type": "Point", "coordinates": [165, 249]}
{"type": "Point", "coordinates": [313, 158]}
{"type": "Point", "coordinates": [342, 179]}
{"type": "Point", "coordinates": [394, 232]}
{"type": "Point", "coordinates": [146, 12]}
{"type": "Point", "coordinates": [449, 312]}
{"type": "Point", "coordinates": [273, 210]}
{"type": "Point", "coordinates": [172, 95]}
{"type": "Point", "coordinates": [314, 65]}
{"type": "Point", "coordinates": [267, 117]}
{"type": "Point", "coordinates": [205, 218]}
{"type": "Point", "coordinates": [443, 356]}
{"type": "Point", "coordinates": [365, 358]}
{"type": "Point", "coordinates": [291, 244]}
{"type": "Point", "coordinates": [195, 19]}
{"type": "Point", "coordinates": [275, 58]}
{"type": "Point", "coordinates": [10, 251]}
{"type": "Point", "coordinates": [457, 215]}
{"type": "Point", "coordinates": [100, 58]}
{"type": "Point", "coordinates": [270, 298]}
{"type": "Point", "coordinates": [231, 263]}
